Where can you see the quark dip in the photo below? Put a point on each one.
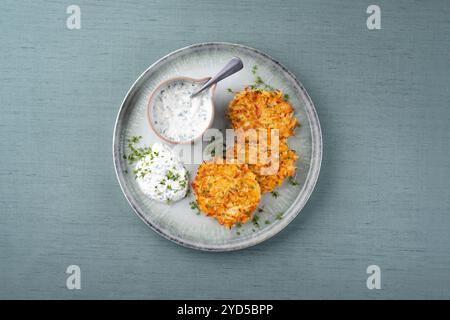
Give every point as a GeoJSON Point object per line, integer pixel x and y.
{"type": "Point", "coordinates": [177, 117]}
{"type": "Point", "coordinates": [161, 175]}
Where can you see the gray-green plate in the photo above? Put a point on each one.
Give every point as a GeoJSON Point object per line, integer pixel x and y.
{"type": "Point", "coordinates": [178, 222]}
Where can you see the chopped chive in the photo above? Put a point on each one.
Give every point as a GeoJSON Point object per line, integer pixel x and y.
{"type": "Point", "coordinates": [292, 181]}
{"type": "Point", "coordinates": [193, 205]}
{"type": "Point", "coordinates": [255, 220]}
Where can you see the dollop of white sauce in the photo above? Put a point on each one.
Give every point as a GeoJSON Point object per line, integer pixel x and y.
{"type": "Point", "coordinates": [164, 177]}
{"type": "Point", "coordinates": [178, 117]}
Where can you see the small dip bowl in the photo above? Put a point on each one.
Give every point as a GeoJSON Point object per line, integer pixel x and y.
{"type": "Point", "coordinates": [160, 90]}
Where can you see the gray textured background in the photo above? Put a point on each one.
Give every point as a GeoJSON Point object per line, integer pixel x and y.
{"type": "Point", "coordinates": [383, 99]}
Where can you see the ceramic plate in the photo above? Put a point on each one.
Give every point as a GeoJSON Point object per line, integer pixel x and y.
{"type": "Point", "coordinates": [177, 221]}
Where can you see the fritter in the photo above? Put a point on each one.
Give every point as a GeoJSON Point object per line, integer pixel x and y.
{"type": "Point", "coordinates": [254, 109]}
{"type": "Point", "coordinates": [268, 174]}
{"type": "Point", "coordinates": [227, 191]}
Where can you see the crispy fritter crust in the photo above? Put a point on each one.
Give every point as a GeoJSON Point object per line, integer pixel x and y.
{"type": "Point", "coordinates": [255, 109]}
{"type": "Point", "coordinates": [267, 181]}
{"type": "Point", "coordinates": [228, 192]}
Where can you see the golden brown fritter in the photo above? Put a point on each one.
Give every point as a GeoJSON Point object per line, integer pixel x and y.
{"type": "Point", "coordinates": [260, 165]}
{"type": "Point", "coordinates": [255, 109]}
{"type": "Point", "coordinates": [228, 192]}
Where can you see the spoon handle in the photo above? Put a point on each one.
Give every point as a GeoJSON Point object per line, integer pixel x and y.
{"type": "Point", "coordinates": [233, 66]}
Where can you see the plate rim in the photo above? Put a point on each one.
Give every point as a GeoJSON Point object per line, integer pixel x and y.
{"type": "Point", "coordinates": [307, 190]}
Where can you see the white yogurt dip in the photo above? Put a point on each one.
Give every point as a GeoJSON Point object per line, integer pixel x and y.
{"type": "Point", "coordinates": [178, 117]}
{"type": "Point", "coordinates": [161, 175]}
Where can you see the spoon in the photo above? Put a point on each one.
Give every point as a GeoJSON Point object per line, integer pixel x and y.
{"type": "Point", "coordinates": [233, 66]}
